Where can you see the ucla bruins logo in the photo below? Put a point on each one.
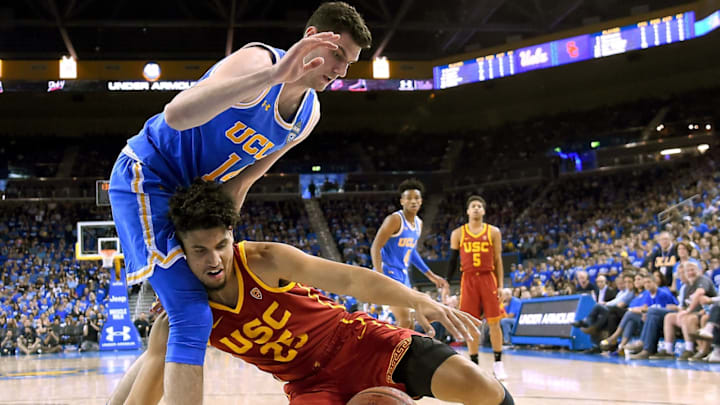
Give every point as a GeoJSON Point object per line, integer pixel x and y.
{"type": "Point", "coordinates": [256, 293]}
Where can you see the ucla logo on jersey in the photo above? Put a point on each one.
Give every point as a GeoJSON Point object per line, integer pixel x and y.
{"type": "Point", "coordinates": [295, 131]}
{"type": "Point", "coordinates": [252, 143]}
{"type": "Point", "coordinates": [406, 242]}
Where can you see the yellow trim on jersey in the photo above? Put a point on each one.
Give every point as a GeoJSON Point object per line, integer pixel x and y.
{"type": "Point", "coordinates": [489, 234]}
{"type": "Point", "coordinates": [317, 297]}
{"type": "Point", "coordinates": [241, 294]}
{"type": "Point", "coordinates": [485, 227]}
{"type": "Point", "coordinates": [398, 354]}
{"type": "Point", "coordinates": [312, 121]}
{"type": "Point", "coordinates": [243, 257]}
{"type": "Point", "coordinates": [155, 256]}
{"type": "Point", "coordinates": [276, 108]}
{"type": "Point", "coordinates": [254, 102]}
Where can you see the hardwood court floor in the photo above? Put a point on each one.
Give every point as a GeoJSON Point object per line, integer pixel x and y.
{"type": "Point", "coordinates": [536, 378]}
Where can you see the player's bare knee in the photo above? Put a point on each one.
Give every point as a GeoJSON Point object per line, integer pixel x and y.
{"type": "Point", "coordinates": [465, 382]}
{"type": "Point", "coordinates": [483, 388]}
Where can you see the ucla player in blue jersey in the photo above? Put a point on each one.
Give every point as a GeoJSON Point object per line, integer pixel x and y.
{"type": "Point", "coordinates": [242, 116]}
{"type": "Point", "coordinates": [394, 247]}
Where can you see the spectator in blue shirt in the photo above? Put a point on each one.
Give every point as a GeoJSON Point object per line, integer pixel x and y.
{"type": "Point", "coordinates": [631, 323]}
{"type": "Point", "coordinates": [714, 272]}
{"type": "Point", "coordinates": [512, 308]}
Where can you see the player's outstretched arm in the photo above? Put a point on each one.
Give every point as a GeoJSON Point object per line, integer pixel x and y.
{"type": "Point", "coordinates": [242, 77]}
{"type": "Point", "coordinates": [390, 225]}
{"type": "Point", "coordinates": [280, 261]}
{"type": "Point", "coordinates": [417, 261]}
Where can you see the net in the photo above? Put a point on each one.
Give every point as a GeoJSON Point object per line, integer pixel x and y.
{"type": "Point", "coordinates": [108, 255]}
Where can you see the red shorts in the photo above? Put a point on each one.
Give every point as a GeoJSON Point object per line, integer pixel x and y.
{"type": "Point", "coordinates": [479, 296]}
{"type": "Point", "coordinates": [366, 355]}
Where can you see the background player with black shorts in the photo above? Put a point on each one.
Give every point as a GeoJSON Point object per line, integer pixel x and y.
{"type": "Point", "coordinates": [479, 246]}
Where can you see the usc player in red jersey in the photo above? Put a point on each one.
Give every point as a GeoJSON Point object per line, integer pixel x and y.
{"type": "Point", "coordinates": [325, 354]}
{"type": "Point", "coordinates": [479, 246]}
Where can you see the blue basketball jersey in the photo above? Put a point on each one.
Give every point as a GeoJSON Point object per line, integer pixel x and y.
{"type": "Point", "coordinates": [396, 252]}
{"type": "Point", "coordinates": [222, 147]}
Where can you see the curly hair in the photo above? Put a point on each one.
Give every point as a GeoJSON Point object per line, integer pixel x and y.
{"type": "Point", "coordinates": [202, 205]}
{"type": "Point", "coordinates": [341, 17]}
{"type": "Point", "coordinates": [411, 184]}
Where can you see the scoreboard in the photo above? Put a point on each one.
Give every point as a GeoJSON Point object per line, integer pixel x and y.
{"type": "Point", "coordinates": [613, 41]}
{"type": "Point", "coordinates": [102, 193]}
{"type": "Point", "coordinates": [645, 34]}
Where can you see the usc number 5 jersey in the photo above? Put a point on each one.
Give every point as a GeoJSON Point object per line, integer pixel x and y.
{"type": "Point", "coordinates": [476, 250]}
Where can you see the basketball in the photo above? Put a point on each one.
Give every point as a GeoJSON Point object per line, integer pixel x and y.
{"type": "Point", "coordinates": [381, 396]}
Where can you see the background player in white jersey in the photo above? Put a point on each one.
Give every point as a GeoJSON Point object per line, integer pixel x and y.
{"type": "Point", "coordinates": [394, 247]}
{"type": "Point", "coordinates": [244, 113]}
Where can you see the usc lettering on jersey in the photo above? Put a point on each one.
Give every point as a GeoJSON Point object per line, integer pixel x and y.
{"type": "Point", "coordinates": [476, 250]}
{"type": "Point", "coordinates": [289, 331]}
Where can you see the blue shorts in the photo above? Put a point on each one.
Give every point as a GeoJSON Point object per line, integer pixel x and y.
{"type": "Point", "coordinates": [400, 275]}
{"type": "Point", "coordinates": [139, 198]}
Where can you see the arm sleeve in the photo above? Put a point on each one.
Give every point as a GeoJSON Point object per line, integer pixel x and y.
{"type": "Point", "coordinates": [453, 264]}
{"type": "Point", "coordinates": [418, 262]}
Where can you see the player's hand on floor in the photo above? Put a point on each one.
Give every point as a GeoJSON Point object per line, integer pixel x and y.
{"type": "Point", "coordinates": [293, 65]}
{"type": "Point", "coordinates": [461, 325]}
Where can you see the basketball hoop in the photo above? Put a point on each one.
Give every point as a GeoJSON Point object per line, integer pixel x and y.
{"type": "Point", "coordinates": [108, 255]}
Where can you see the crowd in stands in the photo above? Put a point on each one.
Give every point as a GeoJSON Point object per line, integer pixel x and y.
{"type": "Point", "coordinates": [354, 222]}
{"type": "Point", "coordinates": [277, 221]}
{"type": "Point", "coordinates": [506, 203]}
{"type": "Point", "coordinates": [48, 300]}
{"type": "Point", "coordinates": [598, 234]}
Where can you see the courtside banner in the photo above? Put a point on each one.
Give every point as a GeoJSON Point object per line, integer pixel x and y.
{"type": "Point", "coordinates": [119, 333]}
{"type": "Point", "coordinates": [546, 318]}
{"type": "Point", "coordinates": [548, 321]}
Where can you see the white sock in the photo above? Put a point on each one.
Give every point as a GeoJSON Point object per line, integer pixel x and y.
{"type": "Point", "coordinates": [690, 346]}
{"type": "Point", "coordinates": [668, 347]}
{"type": "Point", "coordinates": [709, 327]}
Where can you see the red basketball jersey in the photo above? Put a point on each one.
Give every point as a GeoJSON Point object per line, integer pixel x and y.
{"type": "Point", "coordinates": [286, 331]}
{"type": "Point", "coordinates": [476, 250]}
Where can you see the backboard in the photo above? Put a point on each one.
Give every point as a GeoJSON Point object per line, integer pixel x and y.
{"type": "Point", "coordinates": [94, 236]}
